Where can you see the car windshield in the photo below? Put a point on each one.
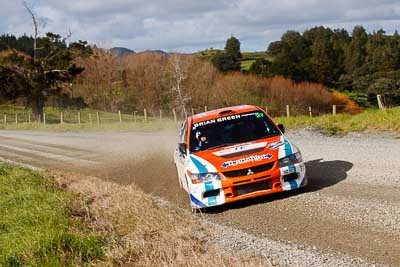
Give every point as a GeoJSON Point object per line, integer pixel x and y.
{"type": "Point", "coordinates": [229, 130]}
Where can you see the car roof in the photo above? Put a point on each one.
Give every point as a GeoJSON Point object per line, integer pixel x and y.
{"type": "Point", "coordinates": [222, 112]}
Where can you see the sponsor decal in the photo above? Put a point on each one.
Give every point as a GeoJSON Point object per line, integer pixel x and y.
{"type": "Point", "coordinates": [227, 118]}
{"type": "Point", "coordinates": [234, 149]}
{"type": "Point", "coordinates": [252, 158]}
{"type": "Point", "coordinates": [276, 145]}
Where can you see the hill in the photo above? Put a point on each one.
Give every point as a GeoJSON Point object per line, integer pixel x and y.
{"type": "Point", "coordinates": [121, 51]}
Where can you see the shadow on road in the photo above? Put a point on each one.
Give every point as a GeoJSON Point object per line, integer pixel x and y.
{"type": "Point", "coordinates": [321, 174]}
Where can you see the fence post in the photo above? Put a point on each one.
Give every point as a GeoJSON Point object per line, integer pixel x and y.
{"type": "Point", "coordinates": [205, 108]}
{"type": "Point", "coordinates": [79, 117]}
{"type": "Point", "coordinates": [266, 109]}
{"type": "Point", "coordinates": [334, 110]}
{"type": "Point", "coordinates": [192, 111]}
{"type": "Point", "coordinates": [309, 109]}
{"type": "Point", "coordinates": [98, 118]}
{"type": "Point", "coordinates": [16, 118]}
{"type": "Point", "coordinates": [134, 116]}
{"type": "Point", "coordinates": [120, 116]}
{"type": "Point", "coordinates": [44, 118]}
{"type": "Point", "coordinates": [5, 118]}
{"type": "Point", "coordinates": [380, 102]}
{"type": "Point", "coordinates": [90, 118]}
{"type": "Point", "coordinates": [160, 115]}
{"type": "Point", "coordinates": [174, 112]}
{"type": "Point", "coordinates": [61, 118]}
{"type": "Point", "coordinates": [145, 115]}
{"type": "Point", "coordinates": [29, 117]}
{"type": "Point", "coordinates": [287, 111]}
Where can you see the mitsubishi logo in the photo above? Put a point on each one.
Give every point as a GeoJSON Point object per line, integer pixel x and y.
{"type": "Point", "coordinates": [250, 172]}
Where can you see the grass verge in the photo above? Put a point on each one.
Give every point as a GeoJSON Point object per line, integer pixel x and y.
{"type": "Point", "coordinates": [36, 224]}
{"type": "Point", "coordinates": [55, 219]}
{"type": "Point", "coordinates": [371, 121]}
{"type": "Point", "coordinates": [152, 233]}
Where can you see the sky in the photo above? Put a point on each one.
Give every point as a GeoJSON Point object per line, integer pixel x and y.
{"type": "Point", "coordinates": [193, 25]}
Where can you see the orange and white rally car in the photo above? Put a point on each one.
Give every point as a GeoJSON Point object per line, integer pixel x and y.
{"type": "Point", "coordinates": [235, 153]}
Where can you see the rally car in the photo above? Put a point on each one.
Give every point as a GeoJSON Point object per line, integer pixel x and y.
{"type": "Point", "coordinates": [235, 153]}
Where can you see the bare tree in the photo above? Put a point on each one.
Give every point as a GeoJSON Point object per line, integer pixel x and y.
{"type": "Point", "coordinates": [180, 73]}
{"type": "Point", "coordinates": [35, 27]}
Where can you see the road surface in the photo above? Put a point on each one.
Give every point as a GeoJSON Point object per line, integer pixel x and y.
{"type": "Point", "coordinates": [349, 214]}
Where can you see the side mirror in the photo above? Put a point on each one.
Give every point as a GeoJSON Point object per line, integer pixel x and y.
{"type": "Point", "coordinates": [281, 127]}
{"type": "Point", "coordinates": [182, 148]}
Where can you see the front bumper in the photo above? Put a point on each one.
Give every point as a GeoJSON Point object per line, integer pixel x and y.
{"type": "Point", "coordinates": [214, 193]}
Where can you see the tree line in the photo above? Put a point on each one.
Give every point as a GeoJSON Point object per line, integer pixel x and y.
{"type": "Point", "coordinates": [359, 64]}
{"type": "Point", "coordinates": [79, 75]}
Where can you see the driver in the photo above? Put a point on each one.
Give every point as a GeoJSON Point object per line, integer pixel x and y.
{"type": "Point", "coordinates": [202, 140]}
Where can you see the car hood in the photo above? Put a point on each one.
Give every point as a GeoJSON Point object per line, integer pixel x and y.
{"type": "Point", "coordinates": [239, 156]}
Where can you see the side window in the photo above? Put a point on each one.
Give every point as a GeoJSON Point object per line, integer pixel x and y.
{"type": "Point", "coordinates": [183, 134]}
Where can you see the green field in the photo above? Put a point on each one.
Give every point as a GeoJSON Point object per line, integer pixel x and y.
{"type": "Point", "coordinates": [107, 121]}
{"type": "Point", "coordinates": [248, 58]}
{"type": "Point", "coordinates": [37, 228]}
{"type": "Point", "coordinates": [372, 120]}
{"type": "Point", "coordinates": [369, 120]}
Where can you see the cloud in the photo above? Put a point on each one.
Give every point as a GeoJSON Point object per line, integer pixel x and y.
{"type": "Point", "coordinates": [191, 25]}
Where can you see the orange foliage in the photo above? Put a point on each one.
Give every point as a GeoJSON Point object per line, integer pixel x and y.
{"type": "Point", "coordinates": [146, 80]}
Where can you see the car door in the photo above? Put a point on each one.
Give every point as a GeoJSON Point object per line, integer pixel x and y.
{"type": "Point", "coordinates": [182, 157]}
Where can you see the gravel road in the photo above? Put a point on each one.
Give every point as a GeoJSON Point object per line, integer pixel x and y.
{"type": "Point", "coordinates": [348, 215]}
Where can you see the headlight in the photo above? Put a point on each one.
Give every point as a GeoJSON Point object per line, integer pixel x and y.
{"type": "Point", "coordinates": [289, 160]}
{"type": "Point", "coordinates": [204, 177]}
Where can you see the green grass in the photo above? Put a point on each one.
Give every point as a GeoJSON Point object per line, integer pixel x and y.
{"type": "Point", "coordinates": [248, 58]}
{"type": "Point", "coordinates": [35, 225]}
{"type": "Point", "coordinates": [372, 120]}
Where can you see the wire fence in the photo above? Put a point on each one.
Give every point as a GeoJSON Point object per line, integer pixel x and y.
{"type": "Point", "coordinates": [53, 115]}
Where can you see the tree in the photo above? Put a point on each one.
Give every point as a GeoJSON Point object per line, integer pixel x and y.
{"type": "Point", "coordinates": [261, 67]}
{"type": "Point", "coordinates": [225, 62]}
{"type": "Point", "coordinates": [232, 48]}
{"type": "Point", "coordinates": [356, 53]}
{"type": "Point", "coordinates": [36, 78]}
{"type": "Point", "coordinates": [292, 57]}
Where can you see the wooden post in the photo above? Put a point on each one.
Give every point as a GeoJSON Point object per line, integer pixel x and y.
{"type": "Point", "coordinates": [287, 111]}
{"type": "Point", "coordinates": [174, 112]}
{"type": "Point", "coordinates": [5, 118]}
{"type": "Point", "coordinates": [266, 109]}
{"type": "Point", "coordinates": [160, 115]}
{"type": "Point", "coordinates": [79, 117]}
{"type": "Point", "coordinates": [40, 118]}
{"type": "Point", "coordinates": [90, 118]}
{"type": "Point", "coordinates": [16, 118]}
{"type": "Point", "coordinates": [61, 118]}
{"type": "Point", "coordinates": [205, 108]}
{"type": "Point", "coordinates": [44, 118]}
{"type": "Point", "coordinates": [309, 110]}
{"type": "Point", "coordinates": [26, 117]}
{"type": "Point", "coordinates": [145, 115]}
{"type": "Point", "coordinates": [98, 118]}
{"type": "Point", "coordinates": [192, 111]}
{"type": "Point", "coordinates": [380, 102]}
{"type": "Point", "coordinates": [334, 110]}
{"type": "Point", "coordinates": [120, 116]}
{"type": "Point", "coordinates": [29, 117]}
{"type": "Point", "coordinates": [134, 116]}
